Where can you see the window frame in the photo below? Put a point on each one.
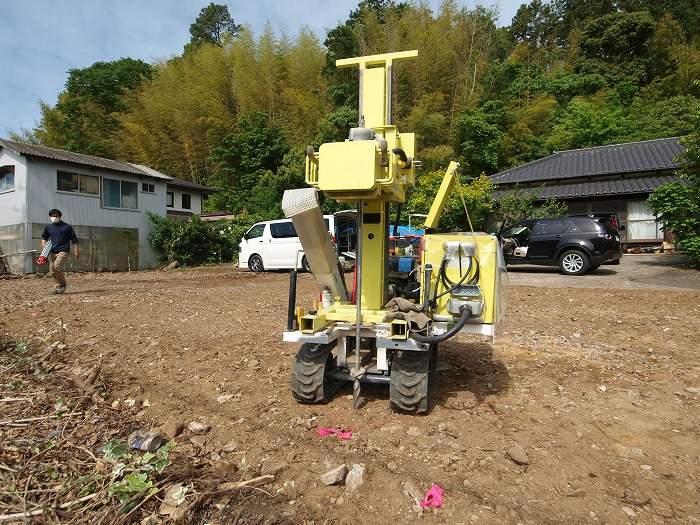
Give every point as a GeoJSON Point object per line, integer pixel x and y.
{"type": "Point", "coordinates": [122, 194]}
{"type": "Point", "coordinates": [148, 187]}
{"type": "Point", "coordinates": [188, 206]}
{"type": "Point", "coordinates": [170, 199]}
{"type": "Point", "coordinates": [81, 185]}
{"type": "Point", "coordinates": [7, 173]}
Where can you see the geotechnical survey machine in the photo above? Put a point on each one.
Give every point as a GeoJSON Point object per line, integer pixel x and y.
{"type": "Point", "coordinates": [383, 330]}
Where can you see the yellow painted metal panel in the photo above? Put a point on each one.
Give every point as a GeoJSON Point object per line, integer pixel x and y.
{"type": "Point", "coordinates": [348, 166]}
{"type": "Point", "coordinates": [489, 269]}
{"type": "Point", "coordinates": [442, 195]}
{"type": "Point", "coordinates": [374, 253]}
{"type": "Point", "coordinates": [374, 97]}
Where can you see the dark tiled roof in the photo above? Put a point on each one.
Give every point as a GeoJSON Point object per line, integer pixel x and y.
{"type": "Point", "coordinates": [643, 185]}
{"type": "Point", "coordinates": [633, 157]}
{"type": "Point", "coordinates": [181, 183]}
{"type": "Point", "coordinates": [31, 150]}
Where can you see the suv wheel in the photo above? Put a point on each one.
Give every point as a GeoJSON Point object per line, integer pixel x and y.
{"type": "Point", "coordinates": [573, 262]}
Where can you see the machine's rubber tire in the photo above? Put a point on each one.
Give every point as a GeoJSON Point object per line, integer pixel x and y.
{"type": "Point", "coordinates": [305, 264]}
{"type": "Point", "coordinates": [573, 262]}
{"type": "Point", "coordinates": [412, 380]}
{"type": "Point", "coordinates": [308, 369]}
{"type": "Point", "coordinates": [255, 263]}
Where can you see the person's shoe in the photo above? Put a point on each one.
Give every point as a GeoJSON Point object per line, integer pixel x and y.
{"type": "Point", "coordinates": [59, 290]}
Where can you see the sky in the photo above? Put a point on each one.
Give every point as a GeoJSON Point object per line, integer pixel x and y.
{"type": "Point", "coordinates": [46, 38]}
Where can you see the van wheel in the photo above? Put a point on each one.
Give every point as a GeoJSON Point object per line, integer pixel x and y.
{"type": "Point", "coordinates": [573, 262]}
{"type": "Point", "coordinates": [305, 264]}
{"type": "Point", "coordinates": [255, 263]}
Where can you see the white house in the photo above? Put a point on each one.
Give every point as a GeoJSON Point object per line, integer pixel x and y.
{"type": "Point", "coordinates": [184, 198]}
{"type": "Point", "coordinates": [104, 200]}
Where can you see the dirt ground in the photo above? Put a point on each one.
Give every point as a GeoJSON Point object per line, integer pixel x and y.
{"type": "Point", "coordinates": [585, 410]}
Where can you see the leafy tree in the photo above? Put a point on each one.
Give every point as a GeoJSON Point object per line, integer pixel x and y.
{"type": "Point", "coordinates": [513, 206]}
{"type": "Point", "coordinates": [535, 23]}
{"type": "Point", "coordinates": [476, 193]}
{"type": "Point", "coordinates": [552, 208]}
{"type": "Point", "coordinates": [677, 205]}
{"type": "Point", "coordinates": [617, 46]}
{"type": "Point", "coordinates": [478, 137]}
{"type": "Point", "coordinates": [211, 26]}
{"type": "Point", "coordinates": [83, 120]}
{"type": "Point", "coordinates": [242, 158]}
{"type": "Point", "coordinates": [672, 117]}
{"type": "Point", "coordinates": [585, 124]}
{"type": "Point", "coordinates": [334, 127]}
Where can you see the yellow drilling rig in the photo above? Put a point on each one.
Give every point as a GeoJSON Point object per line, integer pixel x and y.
{"type": "Point", "coordinates": [381, 331]}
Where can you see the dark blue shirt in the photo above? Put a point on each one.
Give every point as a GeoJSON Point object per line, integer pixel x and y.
{"type": "Point", "coordinates": [61, 236]}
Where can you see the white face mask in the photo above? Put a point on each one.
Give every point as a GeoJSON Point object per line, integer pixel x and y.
{"type": "Point", "coordinates": [55, 219]}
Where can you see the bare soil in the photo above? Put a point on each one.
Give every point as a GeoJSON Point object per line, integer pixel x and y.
{"type": "Point", "coordinates": [596, 379]}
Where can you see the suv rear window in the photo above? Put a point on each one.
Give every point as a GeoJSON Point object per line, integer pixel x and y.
{"type": "Point", "coordinates": [583, 224]}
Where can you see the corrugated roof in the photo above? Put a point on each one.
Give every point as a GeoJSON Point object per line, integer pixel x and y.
{"type": "Point", "coordinates": [643, 185]}
{"type": "Point", "coordinates": [31, 150]}
{"type": "Point", "coordinates": [632, 157]}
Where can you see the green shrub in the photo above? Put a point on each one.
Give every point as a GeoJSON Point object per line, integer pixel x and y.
{"type": "Point", "coordinates": [195, 241]}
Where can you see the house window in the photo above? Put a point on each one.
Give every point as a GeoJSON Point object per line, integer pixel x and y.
{"type": "Point", "coordinates": [641, 223]}
{"type": "Point", "coordinates": [7, 178]}
{"type": "Point", "coordinates": [119, 194]}
{"type": "Point", "coordinates": [78, 183]}
{"type": "Point", "coordinates": [170, 199]}
{"type": "Point", "coordinates": [186, 201]}
{"type": "Point", "coordinates": [147, 187]}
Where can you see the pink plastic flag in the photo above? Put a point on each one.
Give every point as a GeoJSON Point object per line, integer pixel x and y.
{"type": "Point", "coordinates": [433, 498]}
{"type": "Point", "coordinates": [344, 434]}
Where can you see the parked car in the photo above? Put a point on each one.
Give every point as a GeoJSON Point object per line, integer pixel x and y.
{"type": "Point", "coordinates": [274, 245]}
{"type": "Point", "coordinates": [576, 244]}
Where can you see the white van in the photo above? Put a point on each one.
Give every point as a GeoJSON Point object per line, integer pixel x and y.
{"type": "Point", "coordinates": [274, 245]}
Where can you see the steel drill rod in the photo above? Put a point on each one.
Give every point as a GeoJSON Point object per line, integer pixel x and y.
{"type": "Point", "coordinates": [358, 308]}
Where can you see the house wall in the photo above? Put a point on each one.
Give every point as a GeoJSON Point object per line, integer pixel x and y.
{"type": "Point", "coordinates": [195, 200]}
{"type": "Point", "coordinates": [107, 235]}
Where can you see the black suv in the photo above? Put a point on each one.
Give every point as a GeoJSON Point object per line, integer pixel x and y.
{"type": "Point", "coordinates": [575, 244]}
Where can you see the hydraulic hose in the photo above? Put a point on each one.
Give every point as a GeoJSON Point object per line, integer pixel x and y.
{"type": "Point", "coordinates": [465, 313]}
{"type": "Point", "coordinates": [292, 299]}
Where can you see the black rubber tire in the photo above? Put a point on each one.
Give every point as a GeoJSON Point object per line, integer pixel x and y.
{"type": "Point", "coordinates": [308, 369]}
{"type": "Point", "coordinates": [573, 262]}
{"type": "Point", "coordinates": [412, 380]}
{"type": "Point", "coordinates": [255, 263]}
{"type": "Point", "coordinates": [305, 264]}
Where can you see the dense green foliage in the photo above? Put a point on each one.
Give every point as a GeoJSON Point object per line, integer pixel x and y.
{"type": "Point", "coordinates": [677, 205]}
{"type": "Point", "coordinates": [197, 242]}
{"type": "Point", "coordinates": [237, 111]}
{"type": "Point", "coordinates": [84, 119]}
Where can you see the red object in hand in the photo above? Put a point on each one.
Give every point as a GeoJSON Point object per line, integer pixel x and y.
{"type": "Point", "coordinates": [41, 260]}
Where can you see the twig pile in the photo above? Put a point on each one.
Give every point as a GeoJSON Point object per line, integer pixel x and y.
{"type": "Point", "coordinates": [57, 427]}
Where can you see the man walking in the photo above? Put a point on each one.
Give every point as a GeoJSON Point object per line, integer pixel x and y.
{"type": "Point", "coordinates": [61, 235]}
